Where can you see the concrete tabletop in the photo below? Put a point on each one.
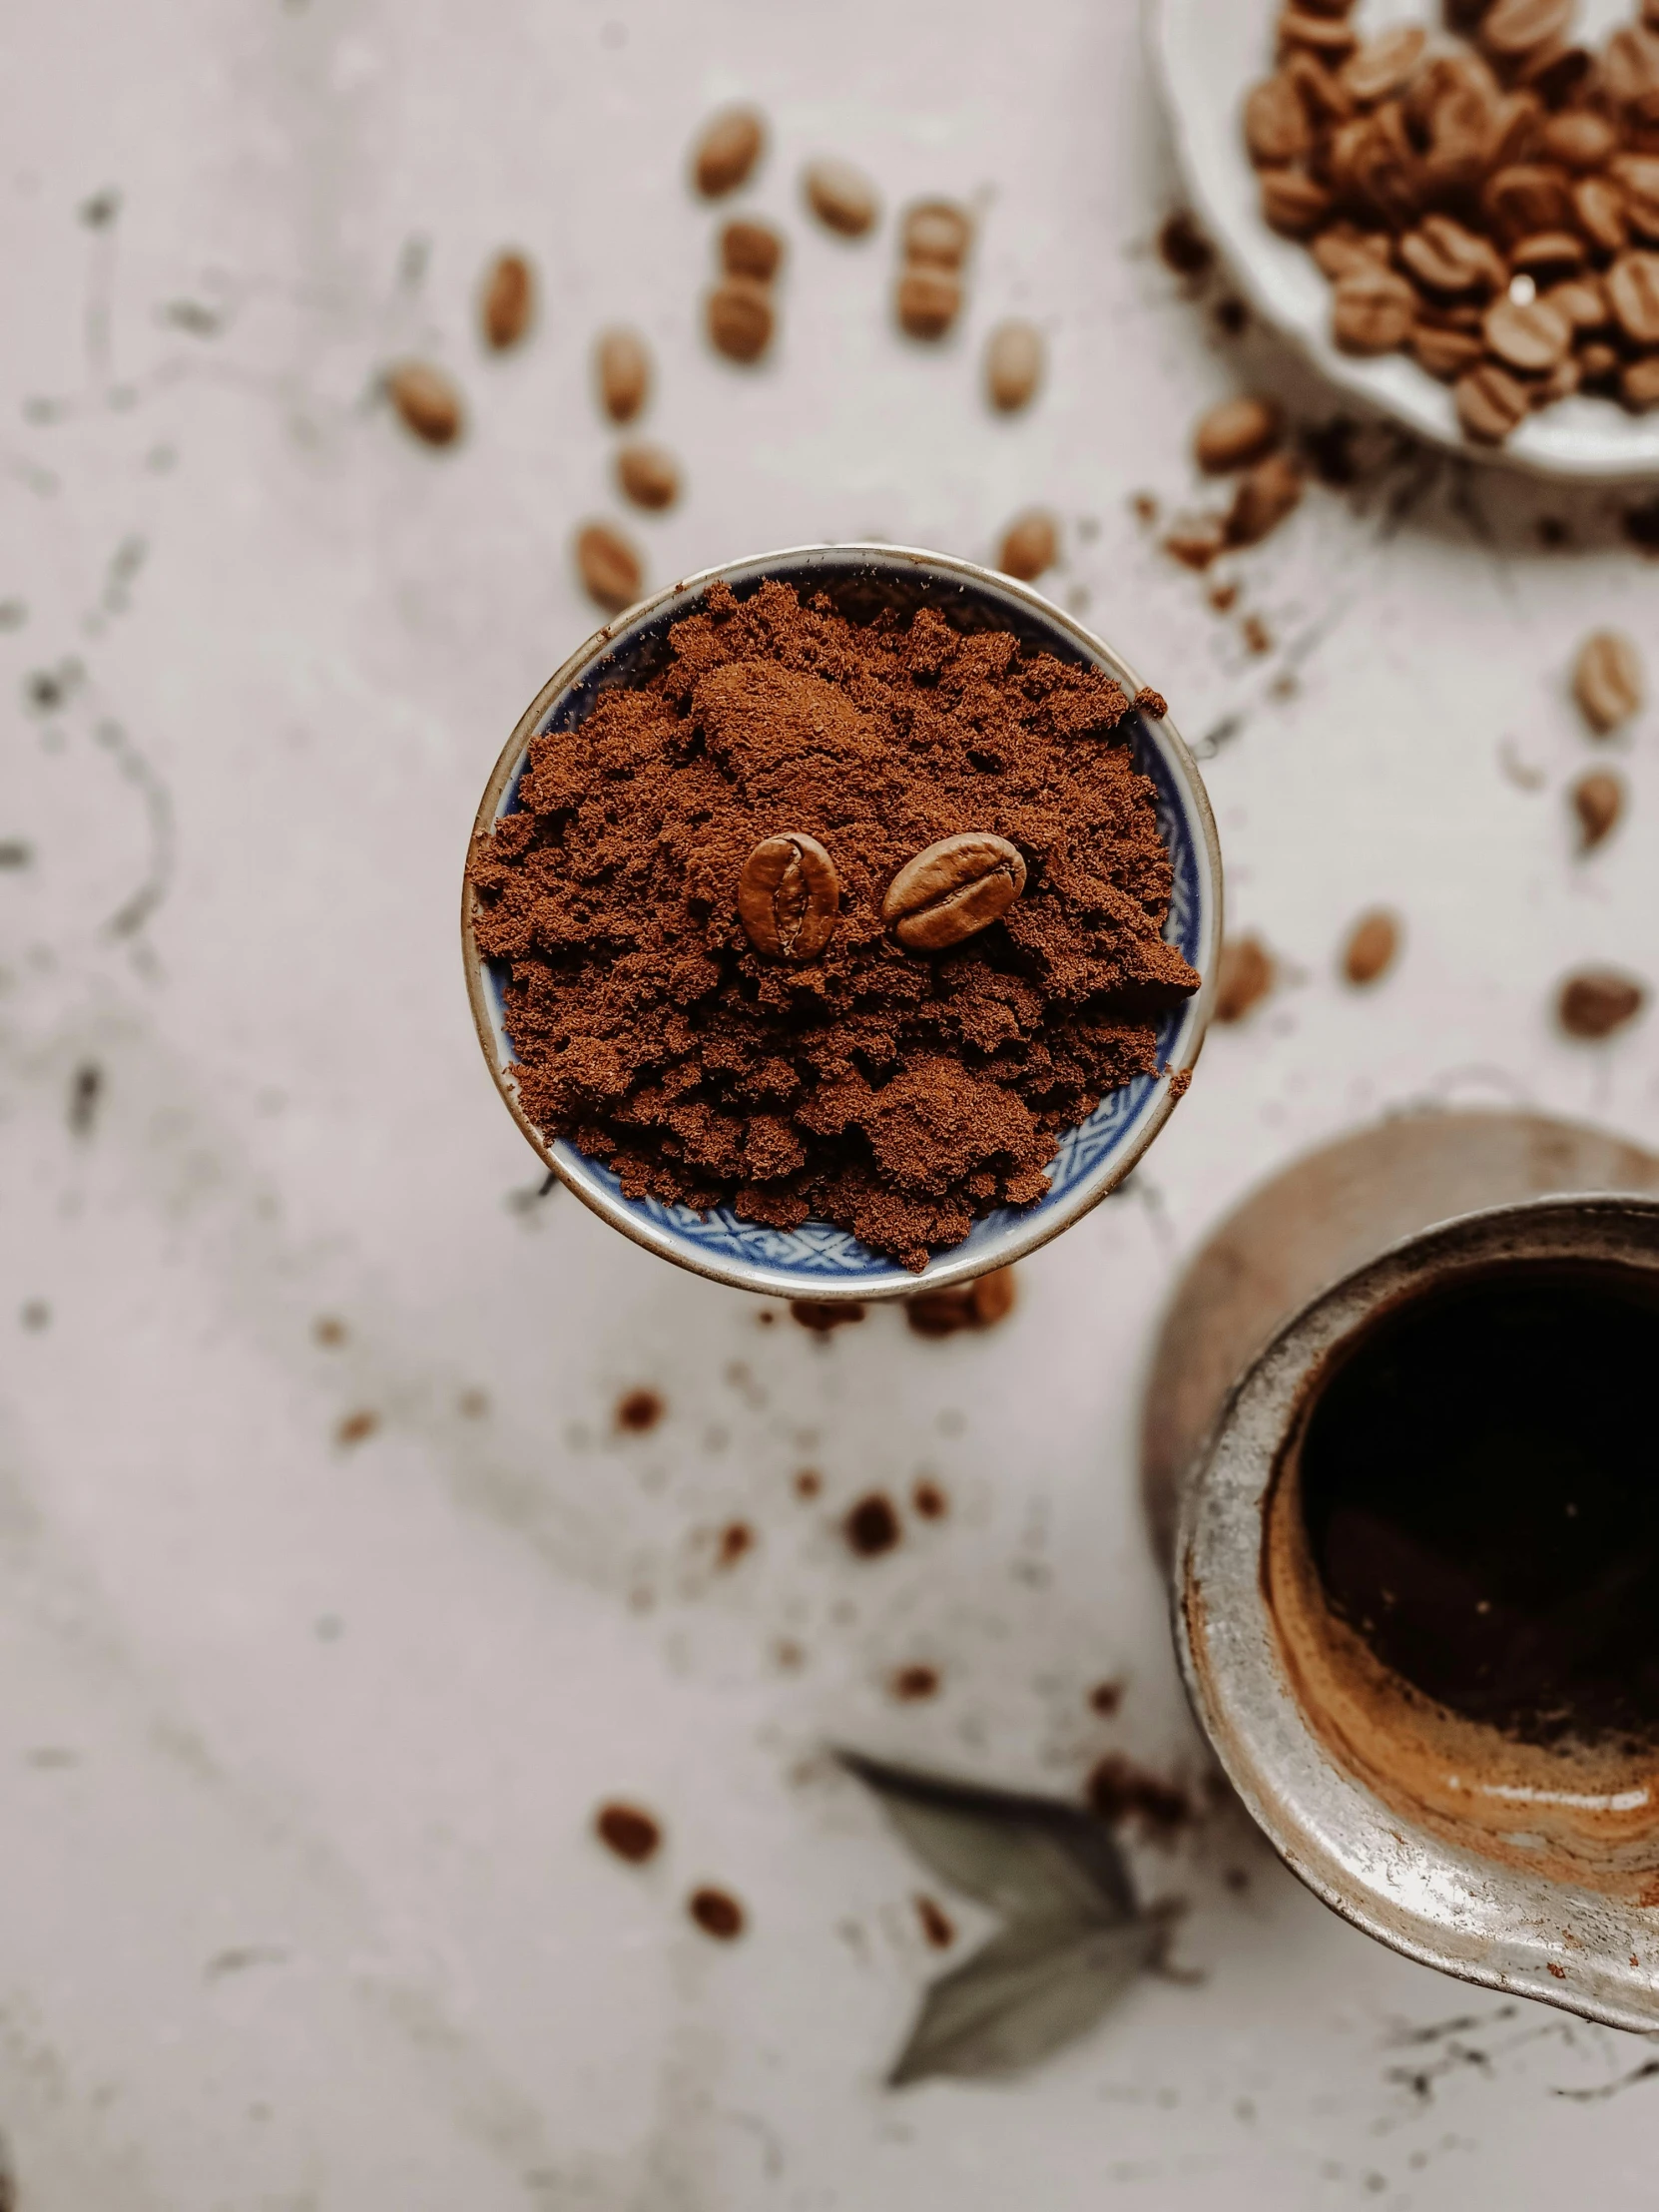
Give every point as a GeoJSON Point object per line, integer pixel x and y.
{"type": "Point", "coordinates": [332, 1598]}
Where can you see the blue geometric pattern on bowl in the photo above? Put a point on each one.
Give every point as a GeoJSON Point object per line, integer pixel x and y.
{"type": "Point", "coordinates": [816, 1253]}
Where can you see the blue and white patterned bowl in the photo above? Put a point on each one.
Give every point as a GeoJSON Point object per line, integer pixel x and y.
{"type": "Point", "coordinates": [817, 1261]}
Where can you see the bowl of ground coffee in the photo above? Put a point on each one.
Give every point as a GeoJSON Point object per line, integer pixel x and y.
{"type": "Point", "coordinates": [841, 921]}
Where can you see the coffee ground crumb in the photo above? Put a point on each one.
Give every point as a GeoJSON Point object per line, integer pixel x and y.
{"type": "Point", "coordinates": [937, 1928]}
{"type": "Point", "coordinates": [1105, 1698]}
{"type": "Point", "coordinates": [631, 1834]}
{"type": "Point", "coordinates": [894, 1095]}
{"type": "Point", "coordinates": [735, 1539]}
{"type": "Point", "coordinates": [354, 1428]}
{"type": "Point", "coordinates": [1119, 1791]}
{"type": "Point", "coordinates": [716, 1913]}
{"type": "Point", "coordinates": [911, 1684]}
{"type": "Point", "coordinates": [929, 1501]}
{"type": "Point", "coordinates": [639, 1411]}
{"type": "Point", "coordinates": [1152, 703]}
{"type": "Point", "coordinates": [873, 1526]}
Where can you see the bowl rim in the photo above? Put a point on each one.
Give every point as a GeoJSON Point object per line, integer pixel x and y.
{"type": "Point", "coordinates": [1241, 240]}
{"type": "Point", "coordinates": [1031, 1229]}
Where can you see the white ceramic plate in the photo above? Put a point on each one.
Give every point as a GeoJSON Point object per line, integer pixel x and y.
{"type": "Point", "coordinates": [1208, 54]}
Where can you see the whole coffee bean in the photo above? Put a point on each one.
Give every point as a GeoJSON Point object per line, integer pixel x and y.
{"type": "Point", "coordinates": [1324, 96]}
{"type": "Point", "coordinates": [1580, 139]}
{"type": "Point", "coordinates": [1489, 402]}
{"type": "Point", "coordinates": [1244, 975]}
{"type": "Point", "coordinates": [789, 897]}
{"type": "Point", "coordinates": [508, 301]}
{"type": "Point", "coordinates": [927, 301]}
{"type": "Point", "coordinates": [1341, 247]}
{"type": "Point", "coordinates": [751, 249]}
{"type": "Point", "coordinates": [1446, 354]}
{"type": "Point", "coordinates": [1598, 205]}
{"type": "Point", "coordinates": [1276, 125]}
{"type": "Point", "coordinates": [1317, 32]}
{"type": "Point", "coordinates": [1236, 433]}
{"type": "Point", "coordinates": [1525, 197]}
{"type": "Point", "coordinates": [1630, 72]}
{"type": "Point", "coordinates": [1030, 544]}
{"type": "Point", "coordinates": [1583, 302]}
{"type": "Point", "coordinates": [740, 318]}
{"type": "Point", "coordinates": [1597, 1002]}
{"type": "Point", "coordinates": [726, 152]}
{"type": "Point", "coordinates": [631, 1834]}
{"type": "Point", "coordinates": [621, 369]}
{"type": "Point", "coordinates": [1267, 493]}
{"type": "Point", "coordinates": [1383, 64]}
{"type": "Point", "coordinates": [1531, 337]}
{"type": "Point", "coordinates": [1633, 292]}
{"type": "Point", "coordinates": [1513, 28]}
{"type": "Point", "coordinates": [1607, 680]}
{"type": "Point", "coordinates": [608, 566]}
{"type": "Point", "coordinates": [427, 402]}
{"type": "Point", "coordinates": [952, 890]}
{"type": "Point", "coordinates": [1371, 312]}
{"type": "Point", "coordinates": [649, 475]}
{"type": "Point", "coordinates": [1293, 202]}
{"type": "Point", "coordinates": [1637, 177]}
{"type": "Point", "coordinates": [1554, 73]}
{"type": "Point", "coordinates": [1372, 945]}
{"type": "Point", "coordinates": [937, 233]}
{"type": "Point", "coordinates": [1443, 256]}
{"type": "Point", "coordinates": [842, 197]}
{"type": "Point", "coordinates": [1598, 801]}
{"type": "Point", "coordinates": [1639, 383]}
{"type": "Point", "coordinates": [1549, 255]}
{"type": "Point", "coordinates": [1013, 365]}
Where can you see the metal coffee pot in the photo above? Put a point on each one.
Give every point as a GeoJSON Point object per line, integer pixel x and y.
{"type": "Point", "coordinates": [1529, 1868]}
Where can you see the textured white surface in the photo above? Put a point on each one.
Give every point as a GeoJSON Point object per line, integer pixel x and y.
{"type": "Point", "coordinates": [298, 1742]}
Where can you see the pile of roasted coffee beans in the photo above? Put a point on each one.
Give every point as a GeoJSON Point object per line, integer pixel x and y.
{"type": "Point", "coordinates": [1487, 203]}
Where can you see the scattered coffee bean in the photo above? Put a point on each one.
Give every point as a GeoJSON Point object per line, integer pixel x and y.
{"type": "Point", "coordinates": [1236, 433]}
{"type": "Point", "coordinates": [952, 890]}
{"type": "Point", "coordinates": [927, 301]}
{"type": "Point", "coordinates": [1243, 976]}
{"type": "Point", "coordinates": [1607, 680]}
{"type": "Point", "coordinates": [937, 233]}
{"type": "Point", "coordinates": [740, 318]}
{"type": "Point", "coordinates": [789, 897]}
{"type": "Point", "coordinates": [872, 1526]}
{"type": "Point", "coordinates": [1030, 545]}
{"type": "Point", "coordinates": [1013, 365]}
{"type": "Point", "coordinates": [981, 1304]}
{"type": "Point", "coordinates": [726, 152]}
{"type": "Point", "coordinates": [427, 402]}
{"type": "Point", "coordinates": [1598, 801]}
{"type": "Point", "coordinates": [508, 302]}
{"type": "Point", "coordinates": [1267, 493]}
{"type": "Point", "coordinates": [842, 197]}
{"type": "Point", "coordinates": [1371, 946]}
{"type": "Point", "coordinates": [609, 567]}
{"type": "Point", "coordinates": [648, 475]}
{"type": "Point", "coordinates": [819, 1317]}
{"type": "Point", "coordinates": [623, 371]}
{"type": "Point", "coordinates": [1597, 1002]}
{"type": "Point", "coordinates": [631, 1834]}
{"type": "Point", "coordinates": [751, 249]}
{"type": "Point", "coordinates": [717, 1913]}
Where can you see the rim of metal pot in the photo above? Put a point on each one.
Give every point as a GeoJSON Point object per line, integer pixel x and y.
{"type": "Point", "coordinates": [944, 1272]}
{"type": "Point", "coordinates": [1448, 1908]}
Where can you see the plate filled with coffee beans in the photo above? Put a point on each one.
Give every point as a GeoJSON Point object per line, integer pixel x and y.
{"type": "Point", "coordinates": [1451, 205]}
{"type": "Point", "coordinates": [842, 922]}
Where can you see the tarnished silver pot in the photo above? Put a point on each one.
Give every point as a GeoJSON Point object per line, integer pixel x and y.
{"type": "Point", "coordinates": [1530, 1868]}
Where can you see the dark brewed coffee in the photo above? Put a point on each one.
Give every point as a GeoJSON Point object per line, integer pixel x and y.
{"type": "Point", "coordinates": [1480, 1484]}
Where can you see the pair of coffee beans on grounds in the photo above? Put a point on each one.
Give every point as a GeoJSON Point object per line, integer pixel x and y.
{"type": "Point", "coordinates": [788, 893]}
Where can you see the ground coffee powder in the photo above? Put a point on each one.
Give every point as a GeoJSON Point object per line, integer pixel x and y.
{"type": "Point", "coordinates": [893, 1092]}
